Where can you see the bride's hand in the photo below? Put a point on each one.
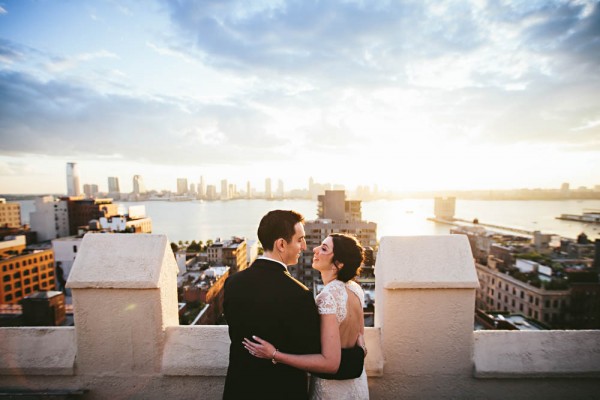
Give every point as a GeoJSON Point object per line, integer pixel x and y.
{"type": "Point", "coordinates": [260, 348]}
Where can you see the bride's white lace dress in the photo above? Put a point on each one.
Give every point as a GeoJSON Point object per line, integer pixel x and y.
{"type": "Point", "coordinates": [333, 300]}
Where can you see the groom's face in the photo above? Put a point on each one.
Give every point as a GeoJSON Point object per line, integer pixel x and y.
{"type": "Point", "coordinates": [296, 246]}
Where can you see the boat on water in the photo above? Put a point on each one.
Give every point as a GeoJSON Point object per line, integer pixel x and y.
{"type": "Point", "coordinates": [592, 216]}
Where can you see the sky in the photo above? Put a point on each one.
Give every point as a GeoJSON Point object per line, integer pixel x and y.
{"type": "Point", "coordinates": [405, 95]}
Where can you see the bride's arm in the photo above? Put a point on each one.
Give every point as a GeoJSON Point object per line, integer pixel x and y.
{"type": "Point", "coordinates": [327, 362]}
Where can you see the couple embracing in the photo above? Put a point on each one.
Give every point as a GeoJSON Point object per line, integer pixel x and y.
{"type": "Point", "coordinates": [279, 333]}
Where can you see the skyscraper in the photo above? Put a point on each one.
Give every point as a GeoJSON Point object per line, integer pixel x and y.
{"type": "Point", "coordinates": [113, 185]}
{"type": "Point", "coordinates": [225, 190]}
{"type": "Point", "coordinates": [182, 186]}
{"type": "Point", "coordinates": [202, 188]}
{"type": "Point", "coordinates": [138, 185]}
{"type": "Point", "coordinates": [90, 190]}
{"type": "Point", "coordinates": [73, 187]}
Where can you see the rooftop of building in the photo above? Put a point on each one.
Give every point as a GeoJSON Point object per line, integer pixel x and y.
{"type": "Point", "coordinates": [127, 342]}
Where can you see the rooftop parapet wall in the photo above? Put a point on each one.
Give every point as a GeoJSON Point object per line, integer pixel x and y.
{"type": "Point", "coordinates": [126, 342]}
{"type": "Point", "coordinates": [37, 351]}
{"type": "Point", "coordinates": [537, 354]}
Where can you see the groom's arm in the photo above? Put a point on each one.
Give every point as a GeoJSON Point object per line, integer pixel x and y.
{"type": "Point", "coordinates": [351, 365]}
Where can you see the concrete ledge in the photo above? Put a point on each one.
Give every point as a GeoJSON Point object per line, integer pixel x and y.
{"type": "Point", "coordinates": [37, 351]}
{"type": "Point", "coordinates": [427, 262]}
{"type": "Point", "coordinates": [533, 354]}
{"type": "Point", "coordinates": [204, 351]}
{"type": "Point", "coordinates": [374, 360]}
{"type": "Point", "coordinates": [196, 350]}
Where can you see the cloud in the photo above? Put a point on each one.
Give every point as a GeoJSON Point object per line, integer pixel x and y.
{"type": "Point", "coordinates": [308, 38]}
{"type": "Point", "coordinates": [322, 77]}
{"type": "Point", "coordinates": [61, 64]}
{"type": "Point", "coordinates": [11, 52]}
{"type": "Point", "coordinates": [377, 42]}
{"type": "Point", "coordinates": [14, 169]}
{"type": "Point", "coordinates": [67, 120]}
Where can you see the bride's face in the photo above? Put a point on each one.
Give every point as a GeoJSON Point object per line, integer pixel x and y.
{"type": "Point", "coordinates": [323, 255]}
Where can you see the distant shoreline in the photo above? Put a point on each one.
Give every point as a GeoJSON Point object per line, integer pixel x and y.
{"type": "Point", "coordinates": [487, 195]}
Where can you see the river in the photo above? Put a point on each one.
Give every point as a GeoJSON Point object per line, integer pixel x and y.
{"type": "Point", "coordinates": [204, 220]}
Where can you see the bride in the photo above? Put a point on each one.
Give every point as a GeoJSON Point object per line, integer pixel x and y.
{"type": "Point", "coordinates": [338, 259]}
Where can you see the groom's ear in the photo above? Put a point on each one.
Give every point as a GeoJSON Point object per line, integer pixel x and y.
{"type": "Point", "coordinates": [280, 244]}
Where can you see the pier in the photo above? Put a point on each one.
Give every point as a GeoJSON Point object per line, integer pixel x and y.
{"type": "Point", "coordinates": [462, 222]}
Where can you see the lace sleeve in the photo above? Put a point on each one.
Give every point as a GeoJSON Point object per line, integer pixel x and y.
{"type": "Point", "coordinates": [326, 303]}
{"type": "Point", "coordinates": [357, 290]}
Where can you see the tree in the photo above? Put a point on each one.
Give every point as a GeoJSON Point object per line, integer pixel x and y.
{"type": "Point", "coordinates": [174, 247]}
{"type": "Point", "coordinates": [193, 247]}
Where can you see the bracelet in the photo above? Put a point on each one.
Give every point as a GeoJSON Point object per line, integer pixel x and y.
{"type": "Point", "coordinates": [273, 357]}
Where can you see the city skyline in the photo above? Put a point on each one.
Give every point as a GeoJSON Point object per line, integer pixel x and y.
{"type": "Point", "coordinates": [266, 188]}
{"type": "Point", "coordinates": [408, 96]}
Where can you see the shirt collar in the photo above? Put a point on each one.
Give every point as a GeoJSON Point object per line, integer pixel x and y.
{"type": "Point", "coordinates": [272, 259]}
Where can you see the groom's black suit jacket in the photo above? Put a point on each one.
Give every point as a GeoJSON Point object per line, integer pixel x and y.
{"type": "Point", "coordinates": [266, 301]}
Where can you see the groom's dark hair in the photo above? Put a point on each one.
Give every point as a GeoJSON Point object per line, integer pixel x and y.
{"type": "Point", "coordinates": [277, 224]}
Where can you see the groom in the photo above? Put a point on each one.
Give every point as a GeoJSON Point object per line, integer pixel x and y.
{"type": "Point", "coordinates": [266, 301]}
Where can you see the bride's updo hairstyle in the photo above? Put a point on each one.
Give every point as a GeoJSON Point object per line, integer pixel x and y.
{"type": "Point", "coordinates": [347, 250]}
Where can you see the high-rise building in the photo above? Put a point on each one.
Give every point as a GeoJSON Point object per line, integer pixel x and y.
{"type": "Point", "coordinates": [114, 189]}
{"type": "Point", "coordinates": [280, 189]}
{"type": "Point", "coordinates": [113, 184]}
{"type": "Point", "coordinates": [10, 214]}
{"type": "Point", "coordinates": [202, 188]}
{"type": "Point", "coordinates": [268, 192]}
{"type": "Point", "coordinates": [248, 190]}
{"type": "Point", "coordinates": [225, 190]}
{"type": "Point", "coordinates": [90, 190]}
{"type": "Point", "coordinates": [332, 205]}
{"type": "Point", "coordinates": [138, 185]}
{"type": "Point", "coordinates": [73, 187]}
{"type": "Point", "coordinates": [211, 192]}
{"type": "Point", "coordinates": [50, 219]}
{"type": "Point", "coordinates": [182, 186]}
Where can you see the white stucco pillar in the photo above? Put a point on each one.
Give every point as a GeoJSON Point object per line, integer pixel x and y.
{"type": "Point", "coordinates": [424, 305]}
{"type": "Point", "coordinates": [124, 296]}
